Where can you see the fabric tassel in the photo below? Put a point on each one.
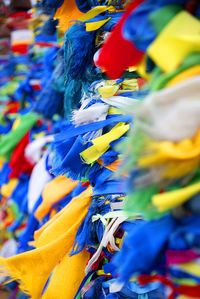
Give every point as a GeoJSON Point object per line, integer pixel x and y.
{"type": "Point", "coordinates": [83, 236]}
{"type": "Point", "coordinates": [49, 101]}
{"type": "Point", "coordinates": [78, 52]}
{"type": "Point", "coordinates": [72, 96]}
{"type": "Point", "coordinates": [68, 145]}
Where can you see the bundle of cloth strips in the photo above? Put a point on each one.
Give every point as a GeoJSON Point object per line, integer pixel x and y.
{"type": "Point", "coordinates": [100, 149]}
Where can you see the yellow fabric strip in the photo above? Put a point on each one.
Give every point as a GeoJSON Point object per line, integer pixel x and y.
{"type": "Point", "coordinates": [56, 228]}
{"type": "Point", "coordinates": [108, 91]}
{"type": "Point", "coordinates": [7, 189]}
{"type": "Point", "coordinates": [178, 39]}
{"type": "Point", "coordinates": [175, 169]}
{"type": "Point", "coordinates": [186, 149]}
{"type": "Point", "coordinates": [67, 276]}
{"type": "Point", "coordinates": [38, 232]}
{"type": "Point", "coordinates": [54, 191]}
{"type": "Point", "coordinates": [131, 84]}
{"type": "Point", "coordinates": [141, 68]}
{"type": "Point", "coordinates": [91, 26]}
{"type": "Point", "coordinates": [191, 72]}
{"type": "Point", "coordinates": [132, 69]}
{"type": "Point", "coordinates": [32, 268]}
{"type": "Point", "coordinates": [21, 67]}
{"type": "Point", "coordinates": [1, 163]}
{"type": "Point", "coordinates": [113, 88]}
{"type": "Point", "coordinates": [101, 272]}
{"type": "Point", "coordinates": [102, 143]}
{"type": "Point", "coordinates": [191, 267]}
{"type": "Point", "coordinates": [169, 200]}
{"type": "Point", "coordinates": [160, 152]}
{"type": "Point", "coordinates": [93, 13]}
{"type": "Point", "coordinates": [112, 111]}
{"type": "Point", "coordinates": [38, 135]}
{"type": "Point", "coordinates": [16, 123]}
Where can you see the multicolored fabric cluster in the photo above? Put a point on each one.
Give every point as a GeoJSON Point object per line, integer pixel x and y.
{"type": "Point", "coordinates": [99, 149]}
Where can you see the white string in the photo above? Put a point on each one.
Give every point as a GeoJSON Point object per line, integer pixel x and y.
{"type": "Point", "coordinates": [107, 238]}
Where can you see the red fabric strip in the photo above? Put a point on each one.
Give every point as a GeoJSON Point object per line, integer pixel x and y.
{"type": "Point", "coordinates": [117, 54]}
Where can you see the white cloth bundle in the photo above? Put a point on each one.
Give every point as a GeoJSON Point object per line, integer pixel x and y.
{"type": "Point", "coordinates": [121, 102]}
{"type": "Point", "coordinates": [173, 113]}
{"type": "Point", "coordinates": [96, 112]}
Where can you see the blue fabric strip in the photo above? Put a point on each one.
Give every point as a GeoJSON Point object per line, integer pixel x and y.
{"type": "Point", "coordinates": [110, 187]}
{"type": "Point", "coordinates": [72, 131]}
